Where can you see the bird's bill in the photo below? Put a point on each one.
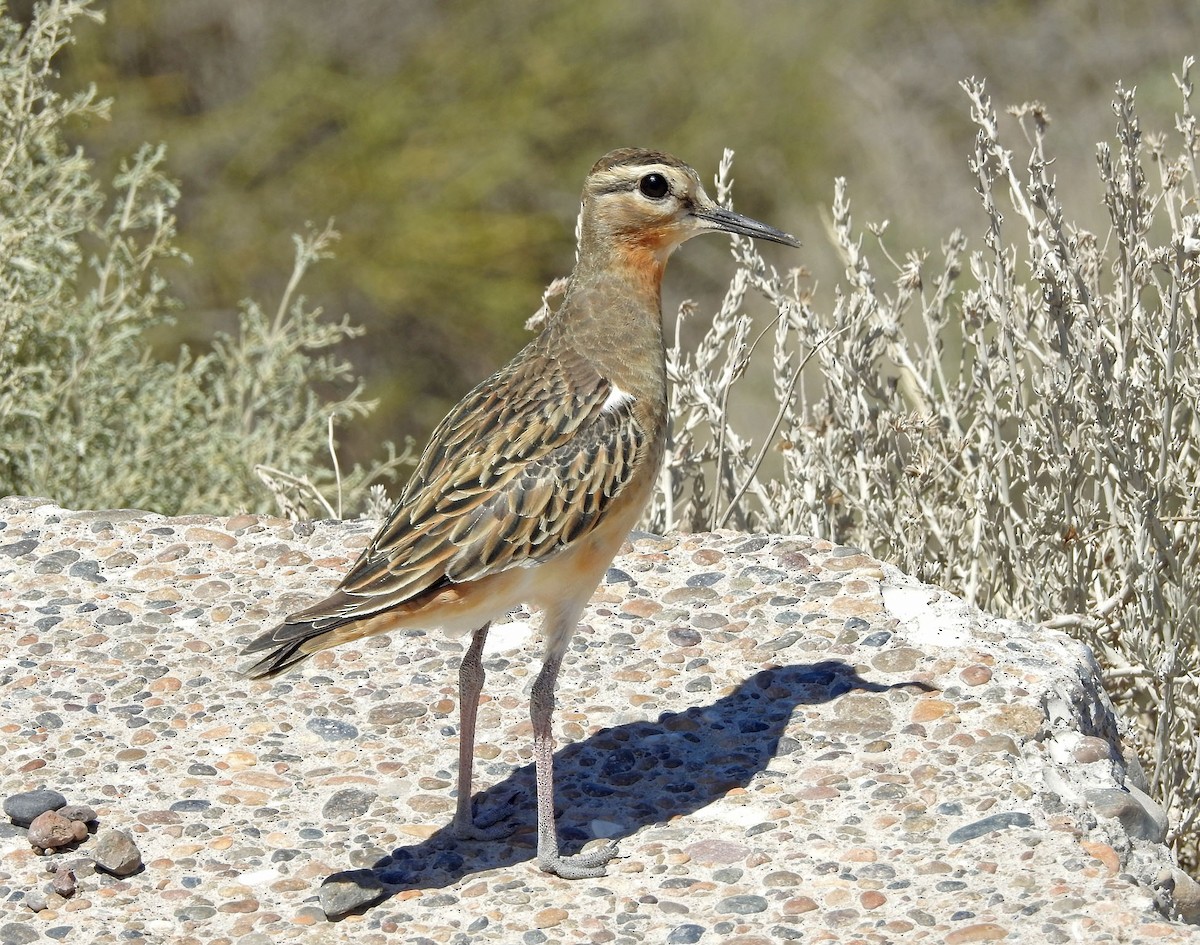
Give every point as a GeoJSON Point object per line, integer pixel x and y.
{"type": "Point", "coordinates": [719, 218]}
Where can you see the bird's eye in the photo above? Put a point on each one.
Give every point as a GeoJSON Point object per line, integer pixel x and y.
{"type": "Point", "coordinates": [654, 186]}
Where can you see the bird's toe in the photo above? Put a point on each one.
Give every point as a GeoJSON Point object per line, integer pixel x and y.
{"type": "Point", "coordinates": [587, 865]}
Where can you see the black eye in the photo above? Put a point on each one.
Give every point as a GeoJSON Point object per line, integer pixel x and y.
{"type": "Point", "coordinates": [654, 186]}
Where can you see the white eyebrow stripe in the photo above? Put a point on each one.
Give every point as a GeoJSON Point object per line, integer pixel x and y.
{"type": "Point", "coordinates": [616, 399]}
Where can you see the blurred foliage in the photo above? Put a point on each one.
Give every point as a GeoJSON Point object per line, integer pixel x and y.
{"type": "Point", "coordinates": [88, 416]}
{"type": "Point", "coordinates": [449, 139]}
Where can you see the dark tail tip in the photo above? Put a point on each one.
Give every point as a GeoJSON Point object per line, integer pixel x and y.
{"type": "Point", "coordinates": [284, 651]}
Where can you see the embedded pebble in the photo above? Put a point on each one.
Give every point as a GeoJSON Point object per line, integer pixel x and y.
{"type": "Point", "coordinates": [782, 744]}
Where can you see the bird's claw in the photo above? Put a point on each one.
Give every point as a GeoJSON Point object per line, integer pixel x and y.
{"type": "Point", "coordinates": [587, 865]}
{"type": "Point", "coordinates": [494, 825]}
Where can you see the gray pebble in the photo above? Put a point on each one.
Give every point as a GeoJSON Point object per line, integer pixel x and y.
{"type": "Point", "coordinates": [1135, 815]}
{"type": "Point", "coordinates": [56, 562]}
{"type": "Point", "coordinates": [348, 804]}
{"type": "Point", "coordinates": [687, 934]}
{"type": "Point", "coordinates": [344, 892]}
{"type": "Point", "coordinates": [78, 812]}
{"type": "Point", "coordinates": [764, 575]}
{"type": "Point", "coordinates": [989, 825]}
{"type": "Point", "coordinates": [331, 730]}
{"type": "Point", "coordinates": [683, 636]}
{"type": "Point", "coordinates": [88, 571]}
{"type": "Point", "coordinates": [23, 808]}
{"type": "Point", "coordinates": [17, 933]}
{"type": "Point", "coordinates": [741, 905]}
{"type": "Point", "coordinates": [191, 805]}
{"type": "Point", "coordinates": [35, 900]}
{"type": "Point", "coordinates": [16, 550]}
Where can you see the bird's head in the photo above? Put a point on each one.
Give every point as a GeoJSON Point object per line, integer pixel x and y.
{"type": "Point", "coordinates": [646, 203]}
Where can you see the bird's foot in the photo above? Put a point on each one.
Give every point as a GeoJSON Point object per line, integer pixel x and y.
{"type": "Point", "coordinates": [494, 825]}
{"type": "Point", "coordinates": [494, 830]}
{"type": "Point", "coordinates": [587, 865]}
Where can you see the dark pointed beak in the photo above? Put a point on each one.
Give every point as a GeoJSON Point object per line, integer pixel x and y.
{"type": "Point", "coordinates": [718, 218]}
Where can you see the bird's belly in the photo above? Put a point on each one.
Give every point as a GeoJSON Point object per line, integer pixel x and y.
{"type": "Point", "coordinates": [562, 583]}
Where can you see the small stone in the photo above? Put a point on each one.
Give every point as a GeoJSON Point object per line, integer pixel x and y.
{"type": "Point", "coordinates": [17, 933]}
{"type": "Point", "coordinates": [982, 932]}
{"type": "Point", "coordinates": [687, 934]}
{"type": "Point", "coordinates": [799, 905]}
{"type": "Point", "coordinates": [23, 808]}
{"type": "Point", "coordinates": [64, 882]}
{"type": "Point", "coordinates": [1140, 816]}
{"type": "Point", "coordinates": [331, 730]}
{"type": "Point", "coordinates": [35, 900]}
{"type": "Point", "coordinates": [239, 906]}
{"type": "Point", "coordinates": [716, 852]}
{"type": "Point", "coordinates": [996, 745]}
{"type": "Point", "coordinates": [1187, 896]}
{"type": "Point", "coordinates": [78, 812]}
{"type": "Point", "coordinates": [548, 918]}
{"type": "Point", "coordinates": [347, 804]}
{"type": "Point", "coordinates": [975, 675]}
{"type": "Point", "coordinates": [902, 659]}
{"type": "Point", "coordinates": [929, 709]}
{"type": "Point", "coordinates": [19, 549]}
{"type": "Point", "coordinates": [683, 636]}
{"type": "Point", "coordinates": [116, 853]}
{"type": "Point", "coordinates": [1092, 749]}
{"type": "Point", "coordinates": [989, 825]}
{"type": "Point", "coordinates": [1105, 854]}
{"type": "Point", "coordinates": [80, 865]}
{"type": "Point", "coordinates": [343, 893]}
{"type": "Point", "coordinates": [51, 830]}
{"type": "Point", "coordinates": [741, 905]}
{"type": "Point", "coordinates": [393, 713]}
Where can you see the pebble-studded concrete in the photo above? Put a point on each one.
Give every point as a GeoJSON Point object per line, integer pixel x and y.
{"type": "Point", "coordinates": [791, 741]}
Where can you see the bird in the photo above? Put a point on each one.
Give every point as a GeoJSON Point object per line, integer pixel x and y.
{"type": "Point", "coordinates": [530, 485]}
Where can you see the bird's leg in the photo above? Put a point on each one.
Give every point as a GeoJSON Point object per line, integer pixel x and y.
{"type": "Point", "coordinates": [470, 684]}
{"type": "Point", "coordinates": [541, 710]}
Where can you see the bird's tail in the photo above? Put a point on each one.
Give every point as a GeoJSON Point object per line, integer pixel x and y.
{"type": "Point", "coordinates": [306, 633]}
{"type": "Point", "coordinates": [289, 643]}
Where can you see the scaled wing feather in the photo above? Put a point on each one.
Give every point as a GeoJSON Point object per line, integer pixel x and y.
{"type": "Point", "coordinates": [503, 483]}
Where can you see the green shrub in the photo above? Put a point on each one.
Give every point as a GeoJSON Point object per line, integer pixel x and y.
{"type": "Point", "coordinates": [88, 417]}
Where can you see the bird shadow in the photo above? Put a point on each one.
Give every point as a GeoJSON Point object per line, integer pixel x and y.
{"type": "Point", "coordinates": [627, 776]}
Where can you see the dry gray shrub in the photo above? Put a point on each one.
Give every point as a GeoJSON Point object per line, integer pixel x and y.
{"type": "Point", "coordinates": [1015, 422]}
